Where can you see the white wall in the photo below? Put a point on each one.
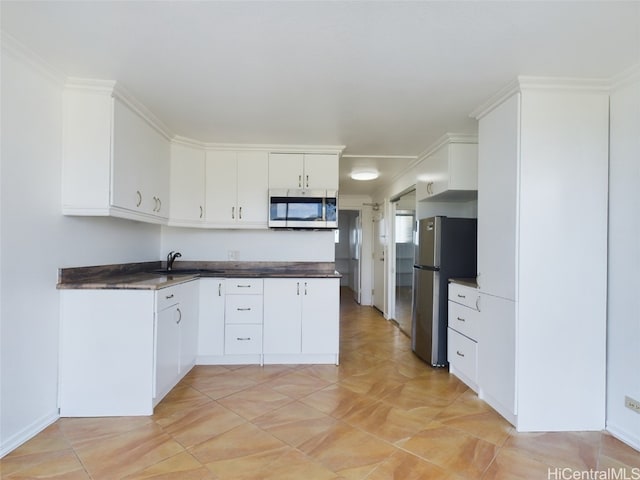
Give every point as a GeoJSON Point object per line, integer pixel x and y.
{"type": "Point", "coordinates": [251, 245]}
{"type": "Point", "coordinates": [36, 239]}
{"type": "Point", "coordinates": [624, 262]}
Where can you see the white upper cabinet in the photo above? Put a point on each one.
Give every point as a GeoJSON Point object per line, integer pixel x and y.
{"type": "Point", "coordinates": [187, 185]}
{"type": "Point", "coordinates": [236, 189]}
{"type": "Point", "coordinates": [115, 158]}
{"type": "Point", "coordinates": [303, 171]}
{"type": "Point", "coordinates": [497, 199]}
{"type": "Point", "coordinates": [450, 173]}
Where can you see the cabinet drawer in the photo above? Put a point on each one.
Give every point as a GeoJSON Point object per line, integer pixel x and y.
{"type": "Point", "coordinates": [463, 354]}
{"type": "Point", "coordinates": [166, 297]}
{"type": "Point", "coordinates": [243, 285]}
{"type": "Point", "coordinates": [463, 295]}
{"type": "Point", "coordinates": [243, 309]}
{"type": "Point", "coordinates": [242, 339]}
{"type": "Point", "coordinates": [464, 320]}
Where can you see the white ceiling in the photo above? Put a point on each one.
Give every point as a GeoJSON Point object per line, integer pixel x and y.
{"type": "Point", "coordinates": [382, 78]}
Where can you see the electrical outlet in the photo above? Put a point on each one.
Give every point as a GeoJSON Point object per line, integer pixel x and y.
{"type": "Point", "coordinates": [632, 404]}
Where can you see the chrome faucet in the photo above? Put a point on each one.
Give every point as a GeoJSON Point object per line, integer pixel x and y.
{"type": "Point", "coordinates": [172, 258]}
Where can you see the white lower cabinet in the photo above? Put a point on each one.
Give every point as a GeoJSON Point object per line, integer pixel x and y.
{"type": "Point", "coordinates": [243, 320]}
{"type": "Point", "coordinates": [497, 355]}
{"type": "Point", "coordinates": [462, 334]}
{"type": "Point", "coordinates": [121, 351]}
{"type": "Point", "coordinates": [211, 323]}
{"type": "Point", "coordinates": [301, 320]}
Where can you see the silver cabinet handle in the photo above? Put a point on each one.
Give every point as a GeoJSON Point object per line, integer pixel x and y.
{"type": "Point", "coordinates": [297, 288]}
{"type": "Point", "coordinates": [219, 289]}
{"type": "Point", "coordinates": [459, 353]}
{"type": "Point", "coordinates": [305, 288]}
{"type": "Point", "coordinates": [233, 213]}
{"type": "Point", "coordinates": [201, 211]}
{"type": "Point", "coordinates": [307, 181]}
{"type": "Point", "coordinates": [139, 201]}
{"type": "Point", "coordinates": [299, 181]}
{"type": "Point", "coordinates": [240, 213]}
{"type": "Point", "coordinates": [168, 296]}
{"type": "Point", "coordinates": [462, 296]}
{"type": "Point", "coordinates": [243, 339]}
{"type": "Point", "coordinates": [478, 303]}
{"type": "Point", "coordinates": [243, 286]}
{"type": "Point", "coordinates": [243, 309]}
{"type": "Point", "coordinates": [179, 316]}
{"type": "Point", "coordinates": [159, 204]}
{"type": "Point", "coordinates": [461, 319]}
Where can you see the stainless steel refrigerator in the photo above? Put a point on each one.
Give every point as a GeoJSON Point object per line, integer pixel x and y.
{"type": "Point", "coordinates": [444, 248]}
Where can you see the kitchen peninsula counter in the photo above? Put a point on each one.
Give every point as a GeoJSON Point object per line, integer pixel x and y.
{"type": "Point", "coordinates": [153, 275]}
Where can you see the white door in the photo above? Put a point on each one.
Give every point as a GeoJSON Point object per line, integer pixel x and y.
{"type": "Point", "coordinates": [355, 258]}
{"type": "Point", "coordinates": [379, 242]}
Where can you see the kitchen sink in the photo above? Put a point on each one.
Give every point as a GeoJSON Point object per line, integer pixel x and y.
{"type": "Point", "coordinates": [186, 271]}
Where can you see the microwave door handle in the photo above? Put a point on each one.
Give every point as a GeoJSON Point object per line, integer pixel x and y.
{"type": "Point", "coordinates": [324, 209]}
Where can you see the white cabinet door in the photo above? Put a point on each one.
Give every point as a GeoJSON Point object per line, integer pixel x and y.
{"type": "Point", "coordinates": [140, 177]}
{"type": "Point", "coordinates": [320, 315]}
{"type": "Point", "coordinates": [252, 188]}
{"type": "Point", "coordinates": [187, 185]}
{"type": "Point", "coordinates": [321, 171]}
{"type": "Point", "coordinates": [221, 187]}
{"type": "Point", "coordinates": [286, 170]}
{"type": "Point", "coordinates": [188, 314]}
{"type": "Point", "coordinates": [303, 170]}
{"type": "Point", "coordinates": [496, 354]}
{"type": "Point", "coordinates": [282, 315]}
{"type": "Point", "coordinates": [211, 317]}
{"type": "Point", "coordinates": [497, 183]}
{"type": "Point", "coordinates": [128, 162]}
{"type": "Point", "coordinates": [167, 350]}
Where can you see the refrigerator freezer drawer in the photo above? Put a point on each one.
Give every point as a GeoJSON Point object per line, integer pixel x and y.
{"type": "Point", "coordinates": [463, 358]}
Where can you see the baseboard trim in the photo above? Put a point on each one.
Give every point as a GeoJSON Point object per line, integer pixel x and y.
{"type": "Point", "coordinates": [624, 436]}
{"type": "Point", "coordinates": [27, 433]}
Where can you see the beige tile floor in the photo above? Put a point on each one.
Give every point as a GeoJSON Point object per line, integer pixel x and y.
{"type": "Point", "coordinates": [381, 414]}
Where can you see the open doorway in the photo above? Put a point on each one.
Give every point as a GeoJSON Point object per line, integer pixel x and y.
{"type": "Point", "coordinates": [404, 227]}
{"type": "Point", "coordinates": [348, 251]}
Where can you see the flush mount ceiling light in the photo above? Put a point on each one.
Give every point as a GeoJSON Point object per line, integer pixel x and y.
{"type": "Point", "coordinates": [365, 174]}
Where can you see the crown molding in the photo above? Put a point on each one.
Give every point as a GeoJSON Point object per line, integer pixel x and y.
{"type": "Point", "coordinates": [90, 84]}
{"type": "Point", "coordinates": [446, 139]}
{"type": "Point", "coordinates": [273, 148]}
{"type": "Point", "coordinates": [628, 77]}
{"type": "Point", "coordinates": [13, 47]}
{"type": "Point", "coordinates": [524, 83]}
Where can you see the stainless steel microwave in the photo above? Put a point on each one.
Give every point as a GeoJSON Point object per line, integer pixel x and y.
{"type": "Point", "coordinates": [299, 209]}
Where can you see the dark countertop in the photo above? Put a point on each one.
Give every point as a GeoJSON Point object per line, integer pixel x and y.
{"type": "Point", "coordinates": [151, 276]}
{"type": "Point", "coordinates": [467, 282]}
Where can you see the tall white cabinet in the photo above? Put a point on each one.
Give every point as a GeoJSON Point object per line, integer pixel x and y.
{"type": "Point", "coordinates": [542, 243]}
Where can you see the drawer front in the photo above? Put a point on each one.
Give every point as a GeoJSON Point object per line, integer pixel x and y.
{"type": "Point", "coordinates": [464, 320]}
{"type": "Point", "coordinates": [243, 285]}
{"type": "Point", "coordinates": [243, 309]}
{"type": "Point", "coordinates": [463, 354]}
{"type": "Point", "coordinates": [165, 297]}
{"type": "Point", "coordinates": [242, 339]}
{"type": "Point", "coordinates": [463, 295]}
